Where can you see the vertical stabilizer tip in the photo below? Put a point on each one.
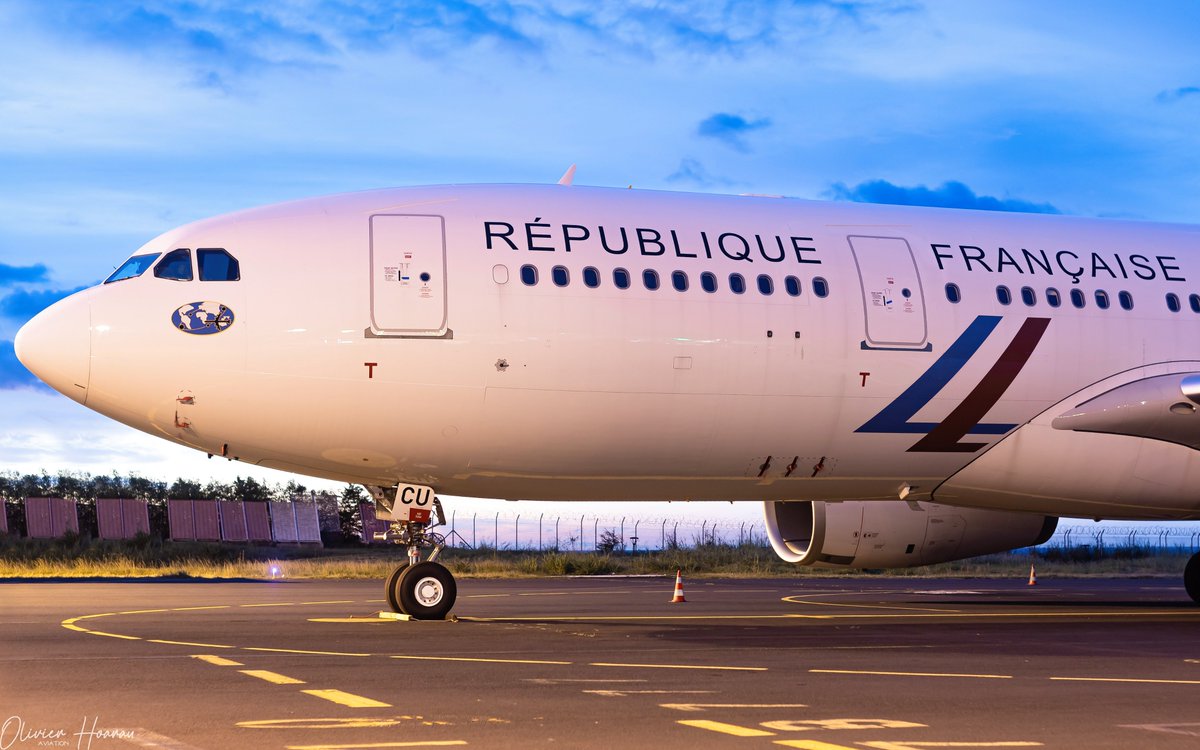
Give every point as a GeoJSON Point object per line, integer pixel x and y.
{"type": "Point", "coordinates": [568, 176]}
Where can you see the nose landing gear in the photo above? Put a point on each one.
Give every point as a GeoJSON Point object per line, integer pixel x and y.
{"type": "Point", "coordinates": [424, 590]}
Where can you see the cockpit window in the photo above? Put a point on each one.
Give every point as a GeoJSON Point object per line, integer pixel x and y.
{"type": "Point", "coordinates": [216, 264]}
{"type": "Point", "coordinates": [132, 268]}
{"type": "Point", "coordinates": [176, 265]}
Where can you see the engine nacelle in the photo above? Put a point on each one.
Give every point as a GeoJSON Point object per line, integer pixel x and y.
{"type": "Point", "coordinates": [895, 534]}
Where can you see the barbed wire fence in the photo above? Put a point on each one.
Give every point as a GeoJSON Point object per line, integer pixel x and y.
{"type": "Point", "coordinates": [632, 534]}
{"type": "Point", "coordinates": [1184, 538]}
{"type": "Point", "coordinates": [588, 533]}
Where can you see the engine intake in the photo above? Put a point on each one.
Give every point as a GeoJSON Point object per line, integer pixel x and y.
{"type": "Point", "coordinates": [893, 534]}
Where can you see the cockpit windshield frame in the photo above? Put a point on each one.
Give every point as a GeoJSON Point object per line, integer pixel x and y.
{"type": "Point", "coordinates": [132, 268]}
{"type": "Point", "coordinates": [217, 264]}
{"type": "Point", "coordinates": [175, 265]}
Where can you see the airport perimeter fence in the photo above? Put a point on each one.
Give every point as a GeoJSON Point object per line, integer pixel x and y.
{"type": "Point", "coordinates": [297, 521]}
{"type": "Point", "coordinates": [545, 532]}
{"type": "Point", "coordinates": [316, 518]}
{"type": "Point", "coordinates": [1183, 537]}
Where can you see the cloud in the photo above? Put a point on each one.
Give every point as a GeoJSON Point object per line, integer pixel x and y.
{"type": "Point", "coordinates": [249, 34]}
{"type": "Point", "coordinates": [22, 304]}
{"type": "Point", "coordinates": [731, 129]}
{"type": "Point", "coordinates": [12, 373]}
{"type": "Point", "coordinates": [949, 195]}
{"type": "Point", "coordinates": [692, 171]}
{"type": "Point", "coordinates": [1174, 95]}
{"type": "Point", "coordinates": [224, 36]}
{"type": "Point", "coordinates": [253, 35]}
{"type": "Point", "coordinates": [10, 275]}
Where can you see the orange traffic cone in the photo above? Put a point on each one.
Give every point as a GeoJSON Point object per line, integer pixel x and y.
{"type": "Point", "coordinates": [678, 589]}
{"type": "Point", "coordinates": [1032, 576]}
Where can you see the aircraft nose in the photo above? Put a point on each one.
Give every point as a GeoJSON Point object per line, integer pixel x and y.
{"type": "Point", "coordinates": [57, 346]}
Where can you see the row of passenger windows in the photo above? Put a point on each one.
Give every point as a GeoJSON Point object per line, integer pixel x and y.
{"type": "Point", "coordinates": [1078, 299]}
{"type": "Point", "coordinates": [215, 264]}
{"type": "Point", "coordinates": [679, 281]}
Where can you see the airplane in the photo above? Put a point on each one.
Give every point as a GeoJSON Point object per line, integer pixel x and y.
{"type": "Point", "coordinates": [898, 386]}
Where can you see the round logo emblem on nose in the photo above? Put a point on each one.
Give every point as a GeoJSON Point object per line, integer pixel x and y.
{"type": "Point", "coordinates": [202, 318]}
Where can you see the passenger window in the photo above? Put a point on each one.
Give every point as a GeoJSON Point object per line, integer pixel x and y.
{"type": "Point", "coordinates": [620, 278]}
{"type": "Point", "coordinates": [132, 268]}
{"type": "Point", "coordinates": [792, 285]}
{"type": "Point", "coordinates": [1004, 295]}
{"type": "Point", "coordinates": [650, 279]}
{"type": "Point", "coordinates": [1194, 301]}
{"type": "Point", "coordinates": [559, 276]}
{"type": "Point", "coordinates": [591, 277]}
{"type": "Point", "coordinates": [708, 282]}
{"type": "Point", "coordinates": [1126, 300]}
{"type": "Point", "coordinates": [529, 275]}
{"type": "Point", "coordinates": [1028, 296]}
{"type": "Point", "coordinates": [176, 265]}
{"type": "Point", "coordinates": [679, 280]}
{"type": "Point", "coordinates": [1173, 302]}
{"type": "Point", "coordinates": [820, 287]}
{"type": "Point", "coordinates": [737, 283]}
{"type": "Point", "coordinates": [1077, 298]}
{"type": "Point", "coordinates": [217, 265]}
{"type": "Point", "coordinates": [1053, 298]}
{"type": "Point", "coordinates": [953, 294]}
{"type": "Point", "coordinates": [1101, 299]}
{"type": "Point", "coordinates": [766, 285]}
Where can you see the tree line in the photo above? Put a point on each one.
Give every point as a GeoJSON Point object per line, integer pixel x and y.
{"type": "Point", "coordinates": [86, 488]}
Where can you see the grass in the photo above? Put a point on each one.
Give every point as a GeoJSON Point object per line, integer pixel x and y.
{"type": "Point", "coordinates": [80, 557]}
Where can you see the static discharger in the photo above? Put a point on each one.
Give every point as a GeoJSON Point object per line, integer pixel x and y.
{"type": "Point", "coordinates": [678, 598]}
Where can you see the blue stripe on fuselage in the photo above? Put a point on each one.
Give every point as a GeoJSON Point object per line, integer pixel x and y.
{"type": "Point", "coordinates": [894, 417]}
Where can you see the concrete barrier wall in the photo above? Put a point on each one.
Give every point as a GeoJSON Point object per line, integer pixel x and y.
{"type": "Point", "coordinates": [136, 515]}
{"type": "Point", "coordinates": [233, 521]}
{"type": "Point", "coordinates": [283, 521]}
{"type": "Point", "coordinates": [236, 521]}
{"type": "Point", "coordinates": [208, 523]}
{"type": "Point", "coordinates": [370, 524]}
{"type": "Point", "coordinates": [50, 517]}
{"type": "Point", "coordinates": [180, 520]}
{"type": "Point", "coordinates": [109, 518]}
{"type": "Point", "coordinates": [258, 522]}
{"type": "Point", "coordinates": [308, 523]}
{"type": "Point", "coordinates": [122, 518]}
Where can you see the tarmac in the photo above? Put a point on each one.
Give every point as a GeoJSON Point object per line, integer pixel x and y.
{"type": "Point", "coordinates": [816, 663]}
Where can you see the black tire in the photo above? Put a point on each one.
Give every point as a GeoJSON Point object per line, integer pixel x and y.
{"type": "Point", "coordinates": [390, 588]}
{"type": "Point", "coordinates": [1191, 577]}
{"type": "Point", "coordinates": [426, 591]}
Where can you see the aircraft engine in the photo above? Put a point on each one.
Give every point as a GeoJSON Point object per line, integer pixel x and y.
{"type": "Point", "coordinates": [895, 534]}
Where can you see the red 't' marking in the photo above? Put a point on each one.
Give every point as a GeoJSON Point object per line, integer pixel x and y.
{"type": "Point", "coordinates": [370, 369]}
{"type": "Point", "coordinates": [865, 375]}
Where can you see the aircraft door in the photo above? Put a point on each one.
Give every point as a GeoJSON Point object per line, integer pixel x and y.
{"type": "Point", "coordinates": [893, 300]}
{"type": "Point", "coordinates": [408, 275]}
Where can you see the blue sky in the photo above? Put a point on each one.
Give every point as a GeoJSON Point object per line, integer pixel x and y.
{"type": "Point", "coordinates": [119, 120]}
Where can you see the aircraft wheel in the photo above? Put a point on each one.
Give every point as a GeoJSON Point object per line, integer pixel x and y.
{"type": "Point", "coordinates": [426, 591]}
{"type": "Point", "coordinates": [390, 588]}
{"type": "Point", "coordinates": [1191, 577]}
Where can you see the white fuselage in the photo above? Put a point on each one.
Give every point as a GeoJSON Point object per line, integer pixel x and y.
{"type": "Point", "coordinates": [340, 361]}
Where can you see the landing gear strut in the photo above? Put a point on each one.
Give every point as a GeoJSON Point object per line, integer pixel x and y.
{"type": "Point", "coordinates": [423, 590]}
{"type": "Point", "coordinates": [1191, 577]}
